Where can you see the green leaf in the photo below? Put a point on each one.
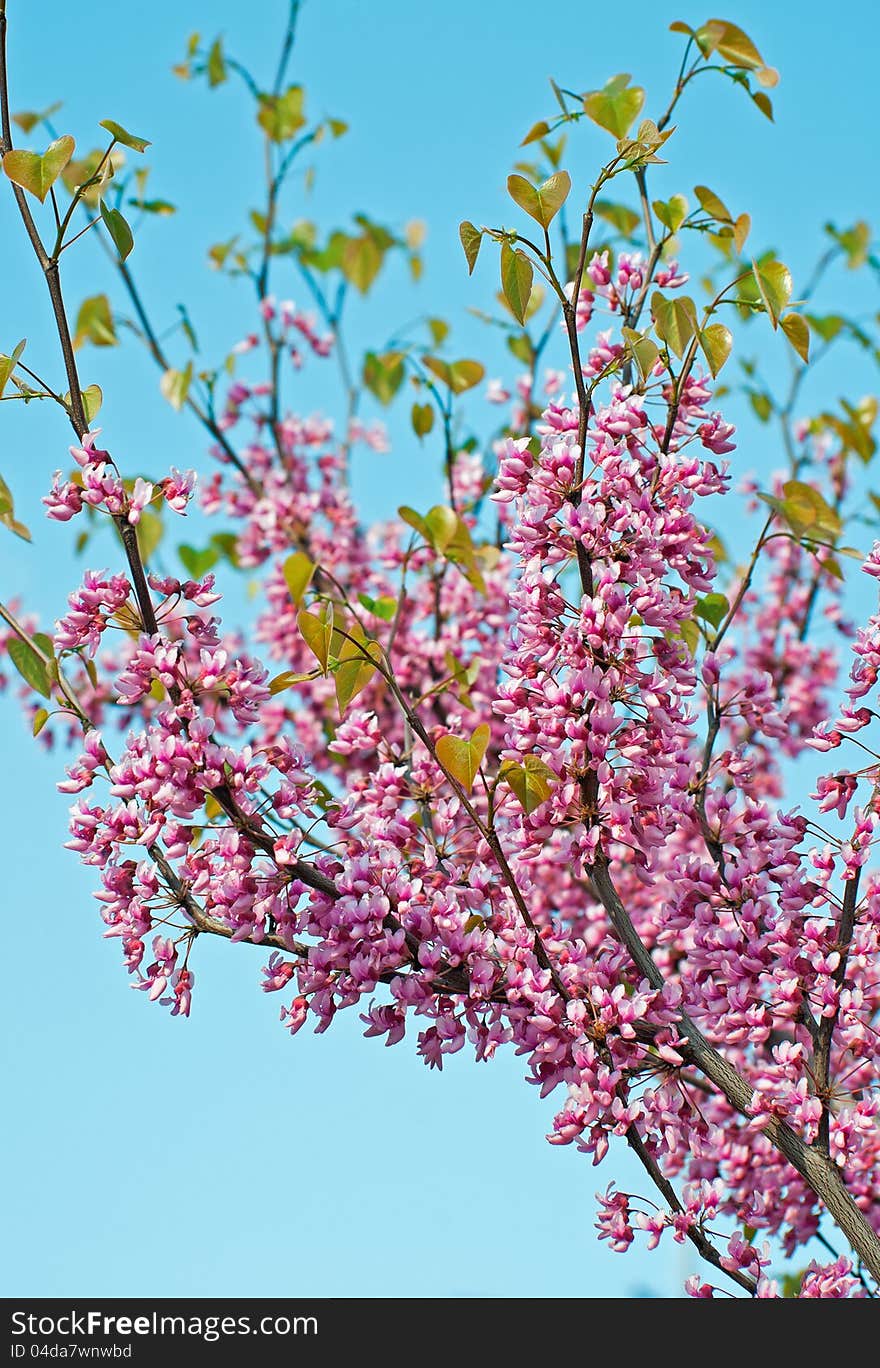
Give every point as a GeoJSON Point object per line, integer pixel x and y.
{"type": "Point", "coordinates": [462, 758]}
{"type": "Point", "coordinates": [92, 399]}
{"type": "Point", "coordinates": [713, 608]}
{"type": "Point", "coordinates": [458, 375]}
{"type": "Point", "coordinates": [216, 64]}
{"type": "Point", "coordinates": [616, 105]}
{"type": "Point", "coordinates": [383, 375]}
{"type": "Point", "coordinates": [439, 330]}
{"type": "Point", "coordinates": [286, 680]}
{"type": "Point", "coordinates": [383, 607]}
{"type": "Point", "coordinates": [118, 229]}
{"type": "Point", "coordinates": [441, 525]}
{"type": "Point", "coordinates": [150, 530]}
{"type": "Point", "coordinates": [643, 348]}
{"type": "Point", "coordinates": [471, 240]}
{"type": "Point", "coordinates": [357, 665]}
{"type": "Point", "coordinates": [123, 136]}
{"type": "Point", "coordinates": [27, 119]}
{"type": "Point", "coordinates": [774, 283]}
{"type": "Point", "coordinates": [855, 241]}
{"type": "Point", "coordinates": [317, 631]}
{"type": "Point", "coordinates": [422, 418]}
{"type": "Point", "coordinates": [797, 330]}
{"type": "Point", "coordinates": [762, 404]}
{"type": "Point", "coordinates": [94, 323]}
{"type": "Point", "coordinates": [806, 511]}
{"type": "Point", "coordinates": [298, 570]}
{"type": "Point", "coordinates": [828, 326]}
{"type": "Point", "coordinates": [620, 216]}
{"type": "Point", "coordinates": [197, 562]}
{"type": "Point", "coordinates": [537, 130]}
{"type": "Point", "coordinates": [543, 202]}
{"type": "Point", "coordinates": [361, 261]}
{"type": "Point", "coordinates": [518, 345]}
{"type": "Point", "coordinates": [516, 280]}
{"type": "Point", "coordinates": [716, 342]}
{"type": "Point", "coordinates": [712, 205]}
{"type": "Point", "coordinates": [175, 384]}
{"type": "Point", "coordinates": [672, 213]}
{"type": "Point", "coordinates": [741, 229]}
{"type": "Point", "coordinates": [30, 666]}
{"type": "Point", "coordinates": [531, 781]}
{"type": "Point", "coordinates": [8, 363]}
{"type": "Point", "coordinates": [282, 116]}
{"type": "Point", "coordinates": [675, 320]}
{"type": "Point", "coordinates": [735, 47]}
{"type": "Point", "coordinates": [35, 172]}
{"type": "Point", "coordinates": [41, 717]}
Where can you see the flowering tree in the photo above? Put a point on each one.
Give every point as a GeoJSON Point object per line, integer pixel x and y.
{"type": "Point", "coordinates": [514, 776]}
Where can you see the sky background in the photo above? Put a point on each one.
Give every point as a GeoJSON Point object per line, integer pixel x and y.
{"type": "Point", "coordinates": [216, 1156]}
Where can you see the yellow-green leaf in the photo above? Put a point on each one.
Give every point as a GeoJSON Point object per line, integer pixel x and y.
{"type": "Point", "coordinates": [542, 202]}
{"type": "Point", "coordinates": [537, 130]}
{"type": "Point", "coordinates": [675, 320]}
{"type": "Point", "coordinates": [123, 136]}
{"type": "Point", "coordinates": [118, 229]}
{"type": "Point", "coordinates": [357, 665]}
{"type": "Point", "coordinates": [8, 363]}
{"type": "Point", "coordinates": [730, 42]}
{"type": "Point", "coordinates": [712, 204]}
{"type": "Point", "coordinates": [797, 330]}
{"type": "Point", "coordinates": [516, 280]}
{"type": "Point", "coordinates": [422, 418]}
{"type": "Point", "coordinates": [361, 261]}
{"type": "Point", "coordinates": [94, 323]}
{"type": "Point", "coordinates": [317, 632]}
{"type": "Point", "coordinates": [644, 350]}
{"type": "Point", "coordinates": [175, 384]}
{"type": "Point", "coordinates": [384, 374]}
{"type": "Point", "coordinates": [150, 530]}
{"type": "Point", "coordinates": [460, 758]}
{"type": "Point", "coordinates": [30, 666]}
{"type": "Point", "coordinates": [458, 375]}
{"type": "Point", "coordinates": [716, 342]}
{"type": "Point", "coordinates": [774, 283]}
{"type": "Point", "coordinates": [298, 570]}
{"type": "Point", "coordinates": [672, 212]}
{"type": "Point", "coordinates": [471, 239]}
{"type": "Point", "coordinates": [531, 781]}
{"type": "Point", "coordinates": [92, 398]}
{"type": "Point", "coordinates": [741, 230]}
{"type": "Point", "coordinates": [286, 680]}
{"type": "Point", "coordinates": [616, 105]}
{"type": "Point", "coordinates": [37, 172]}
{"type": "Point", "coordinates": [41, 717]}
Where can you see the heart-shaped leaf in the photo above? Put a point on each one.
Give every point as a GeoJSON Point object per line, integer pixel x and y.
{"type": "Point", "coordinates": [531, 781]}
{"type": "Point", "coordinates": [541, 202]}
{"type": "Point", "coordinates": [460, 758]}
{"type": "Point", "coordinates": [616, 105]}
{"type": "Point", "coordinates": [675, 321]}
{"type": "Point", "coordinates": [797, 330]}
{"type": "Point", "coordinates": [298, 570]}
{"type": "Point", "coordinates": [716, 342]}
{"type": "Point", "coordinates": [774, 286]}
{"type": "Point", "coordinates": [471, 239]}
{"type": "Point", "coordinates": [38, 173]}
{"type": "Point", "coordinates": [516, 281]}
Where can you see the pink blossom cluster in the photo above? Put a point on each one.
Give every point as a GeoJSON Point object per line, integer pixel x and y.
{"type": "Point", "coordinates": [577, 615]}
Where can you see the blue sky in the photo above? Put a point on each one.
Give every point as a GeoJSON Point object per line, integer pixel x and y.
{"type": "Point", "coordinates": [216, 1156]}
